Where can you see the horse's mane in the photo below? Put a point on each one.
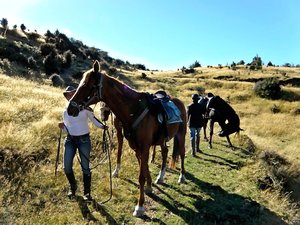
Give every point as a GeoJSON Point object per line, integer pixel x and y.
{"type": "Point", "coordinates": [122, 87]}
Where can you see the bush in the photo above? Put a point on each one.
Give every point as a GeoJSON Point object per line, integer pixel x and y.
{"type": "Point", "coordinates": [57, 81]}
{"type": "Point", "coordinates": [67, 59]}
{"type": "Point", "coordinates": [32, 62]}
{"type": "Point", "coordinates": [47, 48]}
{"type": "Point", "coordinates": [268, 88]}
{"type": "Point", "coordinates": [52, 64]}
{"type": "Point", "coordinates": [275, 109]}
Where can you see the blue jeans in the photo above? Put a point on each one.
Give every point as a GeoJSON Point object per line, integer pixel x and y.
{"type": "Point", "coordinates": [194, 133]}
{"type": "Point", "coordinates": [83, 144]}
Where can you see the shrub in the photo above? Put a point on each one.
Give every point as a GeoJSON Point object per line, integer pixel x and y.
{"type": "Point", "coordinates": [268, 88]}
{"type": "Point", "coordinates": [33, 36]}
{"type": "Point", "coordinates": [104, 66]}
{"type": "Point", "coordinates": [275, 109]}
{"type": "Point", "coordinates": [51, 63]}
{"type": "Point", "coordinates": [31, 62]}
{"type": "Point", "coordinates": [57, 81]}
{"type": "Point", "coordinates": [67, 59]}
{"type": "Point", "coordinates": [47, 48]}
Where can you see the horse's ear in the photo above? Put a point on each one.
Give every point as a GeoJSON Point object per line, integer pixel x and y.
{"type": "Point", "coordinates": [96, 66]}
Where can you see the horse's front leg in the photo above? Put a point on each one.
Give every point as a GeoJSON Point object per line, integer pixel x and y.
{"type": "Point", "coordinates": [162, 172]}
{"type": "Point", "coordinates": [143, 176]}
{"type": "Point", "coordinates": [229, 142]}
{"type": "Point", "coordinates": [211, 132]}
{"type": "Point", "coordinates": [120, 138]}
{"type": "Point", "coordinates": [204, 129]}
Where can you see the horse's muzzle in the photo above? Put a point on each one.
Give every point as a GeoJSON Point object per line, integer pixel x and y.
{"type": "Point", "coordinates": [73, 109]}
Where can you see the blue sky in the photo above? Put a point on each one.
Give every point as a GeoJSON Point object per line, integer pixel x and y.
{"type": "Point", "coordinates": [169, 34]}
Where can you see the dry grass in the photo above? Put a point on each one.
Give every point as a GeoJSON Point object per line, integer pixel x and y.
{"type": "Point", "coordinates": [28, 136]}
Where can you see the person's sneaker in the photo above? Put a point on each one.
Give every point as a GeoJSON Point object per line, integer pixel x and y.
{"type": "Point", "coordinates": [71, 194]}
{"type": "Point", "coordinates": [198, 150]}
{"type": "Point", "coordinates": [87, 197]}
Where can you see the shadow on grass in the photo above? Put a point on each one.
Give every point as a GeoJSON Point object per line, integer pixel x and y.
{"type": "Point", "coordinates": [220, 207]}
{"type": "Point", "coordinates": [86, 213]}
{"type": "Point", "coordinates": [88, 216]}
{"type": "Point", "coordinates": [227, 162]}
{"type": "Point", "coordinates": [101, 209]}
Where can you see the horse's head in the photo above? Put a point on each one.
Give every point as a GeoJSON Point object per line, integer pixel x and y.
{"type": "Point", "coordinates": [88, 91]}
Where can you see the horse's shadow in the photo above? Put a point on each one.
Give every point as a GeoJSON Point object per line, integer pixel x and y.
{"type": "Point", "coordinates": [227, 208]}
{"type": "Point", "coordinates": [226, 162]}
{"type": "Point", "coordinates": [220, 207]}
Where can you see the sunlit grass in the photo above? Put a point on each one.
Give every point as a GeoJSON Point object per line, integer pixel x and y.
{"type": "Point", "coordinates": [29, 115]}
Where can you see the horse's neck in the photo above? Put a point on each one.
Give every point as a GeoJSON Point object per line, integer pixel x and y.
{"type": "Point", "coordinates": [121, 99]}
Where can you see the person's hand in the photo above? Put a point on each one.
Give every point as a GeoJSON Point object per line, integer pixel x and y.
{"type": "Point", "coordinates": [61, 125]}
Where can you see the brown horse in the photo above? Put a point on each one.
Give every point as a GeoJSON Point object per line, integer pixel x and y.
{"type": "Point", "coordinates": [105, 112]}
{"type": "Point", "coordinates": [140, 125]}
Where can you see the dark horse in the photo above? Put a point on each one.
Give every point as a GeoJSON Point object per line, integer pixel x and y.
{"type": "Point", "coordinates": [105, 112]}
{"type": "Point", "coordinates": [140, 125]}
{"type": "Point", "coordinates": [220, 111]}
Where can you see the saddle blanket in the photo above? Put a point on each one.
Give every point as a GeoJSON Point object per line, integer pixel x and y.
{"type": "Point", "coordinates": [172, 113]}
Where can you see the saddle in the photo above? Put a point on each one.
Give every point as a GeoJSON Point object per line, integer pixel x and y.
{"type": "Point", "coordinates": [163, 108]}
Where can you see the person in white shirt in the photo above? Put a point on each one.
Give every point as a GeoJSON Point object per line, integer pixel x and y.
{"type": "Point", "coordinates": [78, 138]}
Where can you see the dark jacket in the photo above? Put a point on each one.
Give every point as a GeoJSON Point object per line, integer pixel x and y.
{"type": "Point", "coordinates": [195, 117]}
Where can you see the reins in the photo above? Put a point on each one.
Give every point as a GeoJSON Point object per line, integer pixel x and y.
{"type": "Point", "coordinates": [106, 143]}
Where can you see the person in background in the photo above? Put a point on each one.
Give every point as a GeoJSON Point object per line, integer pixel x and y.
{"type": "Point", "coordinates": [195, 122]}
{"type": "Point", "coordinates": [78, 138]}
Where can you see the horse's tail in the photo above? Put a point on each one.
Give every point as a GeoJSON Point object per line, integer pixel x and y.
{"type": "Point", "coordinates": [179, 138]}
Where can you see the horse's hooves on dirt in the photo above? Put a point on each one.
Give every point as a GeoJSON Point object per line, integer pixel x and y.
{"type": "Point", "coordinates": [115, 174]}
{"type": "Point", "coordinates": [182, 179]}
{"type": "Point", "coordinates": [159, 181]}
{"type": "Point", "coordinates": [148, 190]}
{"type": "Point", "coordinates": [138, 211]}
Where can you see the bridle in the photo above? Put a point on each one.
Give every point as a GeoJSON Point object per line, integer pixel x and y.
{"type": "Point", "coordinates": [98, 87]}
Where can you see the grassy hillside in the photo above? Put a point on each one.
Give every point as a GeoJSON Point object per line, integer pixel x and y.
{"type": "Point", "coordinates": [247, 185]}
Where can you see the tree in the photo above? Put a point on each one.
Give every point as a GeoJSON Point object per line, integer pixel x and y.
{"type": "Point", "coordinates": [256, 63]}
{"type": "Point", "coordinates": [242, 62]}
{"type": "Point", "coordinates": [195, 64]}
{"type": "Point", "coordinates": [4, 24]}
{"type": "Point", "coordinates": [23, 27]}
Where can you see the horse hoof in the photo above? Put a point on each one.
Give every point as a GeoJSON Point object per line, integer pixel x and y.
{"type": "Point", "coordinates": [159, 181]}
{"type": "Point", "coordinates": [182, 179]}
{"type": "Point", "coordinates": [138, 211]}
{"type": "Point", "coordinates": [148, 190]}
{"type": "Point", "coordinates": [115, 174]}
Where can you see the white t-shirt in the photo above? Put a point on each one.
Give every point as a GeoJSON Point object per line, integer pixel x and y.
{"type": "Point", "coordinates": [78, 125]}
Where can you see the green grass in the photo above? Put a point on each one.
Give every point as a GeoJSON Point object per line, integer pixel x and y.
{"type": "Point", "coordinates": [222, 186]}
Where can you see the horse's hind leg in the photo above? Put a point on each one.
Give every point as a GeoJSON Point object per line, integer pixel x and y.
{"type": "Point", "coordinates": [162, 172]}
{"type": "Point", "coordinates": [153, 154]}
